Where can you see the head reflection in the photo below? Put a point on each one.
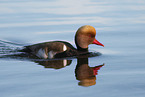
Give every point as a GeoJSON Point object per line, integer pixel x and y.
{"type": "Point", "coordinates": [85, 74]}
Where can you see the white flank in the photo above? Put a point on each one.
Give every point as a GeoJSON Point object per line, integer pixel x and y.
{"type": "Point", "coordinates": [64, 48]}
{"type": "Point", "coordinates": [64, 62]}
{"type": "Point", "coordinates": [51, 54]}
{"type": "Point", "coordinates": [41, 54]}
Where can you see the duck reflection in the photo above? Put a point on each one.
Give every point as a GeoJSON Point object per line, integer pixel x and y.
{"type": "Point", "coordinates": [85, 74]}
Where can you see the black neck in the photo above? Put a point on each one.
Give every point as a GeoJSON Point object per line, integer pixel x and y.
{"type": "Point", "coordinates": [82, 49]}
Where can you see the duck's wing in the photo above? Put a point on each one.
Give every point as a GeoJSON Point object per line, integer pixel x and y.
{"type": "Point", "coordinates": [49, 49]}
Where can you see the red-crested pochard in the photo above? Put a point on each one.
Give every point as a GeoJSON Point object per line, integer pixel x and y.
{"type": "Point", "coordinates": [84, 36]}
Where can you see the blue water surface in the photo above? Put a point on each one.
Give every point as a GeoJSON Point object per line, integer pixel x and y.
{"type": "Point", "coordinates": [120, 26]}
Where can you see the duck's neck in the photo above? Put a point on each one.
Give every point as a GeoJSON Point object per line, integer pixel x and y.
{"type": "Point", "coordinates": [80, 49]}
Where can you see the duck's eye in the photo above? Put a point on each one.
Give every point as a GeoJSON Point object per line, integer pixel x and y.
{"type": "Point", "coordinates": [91, 36]}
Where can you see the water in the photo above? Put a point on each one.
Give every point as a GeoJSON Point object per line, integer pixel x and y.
{"type": "Point", "coordinates": [120, 27]}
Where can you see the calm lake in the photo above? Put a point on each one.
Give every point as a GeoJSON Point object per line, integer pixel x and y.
{"type": "Point", "coordinates": [119, 70]}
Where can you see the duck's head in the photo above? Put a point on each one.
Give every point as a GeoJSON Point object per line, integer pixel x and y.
{"type": "Point", "coordinates": [85, 35]}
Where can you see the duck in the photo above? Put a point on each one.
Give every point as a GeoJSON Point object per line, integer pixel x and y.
{"type": "Point", "coordinates": [84, 36]}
